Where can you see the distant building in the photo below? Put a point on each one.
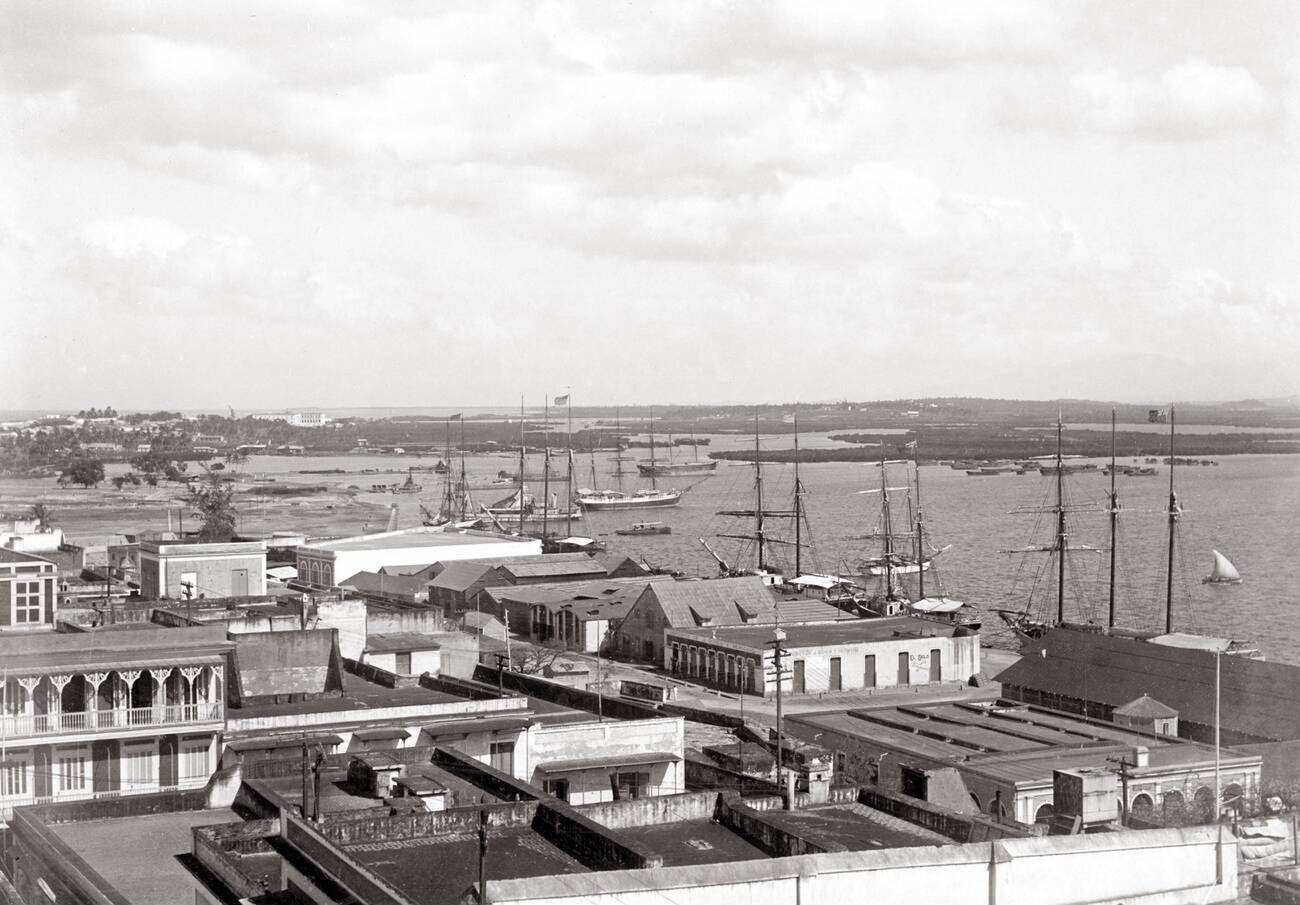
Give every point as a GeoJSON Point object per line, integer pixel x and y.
{"type": "Point", "coordinates": [325, 563]}
{"type": "Point", "coordinates": [296, 419]}
{"type": "Point", "coordinates": [194, 569]}
{"type": "Point", "coordinates": [576, 615]}
{"type": "Point", "coordinates": [28, 597]}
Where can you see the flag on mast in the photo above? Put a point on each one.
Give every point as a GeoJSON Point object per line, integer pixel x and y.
{"type": "Point", "coordinates": [562, 400]}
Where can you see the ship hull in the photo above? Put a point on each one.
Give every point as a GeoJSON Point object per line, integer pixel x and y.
{"type": "Point", "coordinates": [621, 504]}
{"type": "Point", "coordinates": [691, 468]}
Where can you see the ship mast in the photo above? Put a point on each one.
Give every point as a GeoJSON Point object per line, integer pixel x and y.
{"type": "Point", "coordinates": [546, 465]}
{"type": "Point", "coordinates": [522, 464]}
{"type": "Point", "coordinates": [653, 485]}
{"type": "Point", "coordinates": [618, 450]}
{"type": "Point", "coordinates": [568, 507]}
{"type": "Point", "coordinates": [760, 535]}
{"type": "Point", "coordinates": [1060, 525]}
{"type": "Point", "coordinates": [798, 504]}
{"type": "Point", "coordinates": [464, 481]}
{"type": "Point", "coordinates": [888, 525]}
{"type": "Point", "coordinates": [1114, 519]}
{"type": "Point", "coordinates": [1173, 526]}
{"type": "Point", "coordinates": [920, 526]}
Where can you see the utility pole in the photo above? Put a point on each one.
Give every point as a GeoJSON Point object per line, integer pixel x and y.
{"type": "Point", "coordinates": [1124, 777]}
{"type": "Point", "coordinates": [778, 651]}
{"type": "Point", "coordinates": [501, 659]}
{"type": "Point", "coordinates": [482, 853]}
{"type": "Point", "coordinates": [306, 784]}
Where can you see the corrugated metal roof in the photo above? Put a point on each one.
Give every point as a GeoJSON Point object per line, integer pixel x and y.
{"type": "Point", "coordinates": [459, 576]}
{"type": "Point", "coordinates": [1258, 698]}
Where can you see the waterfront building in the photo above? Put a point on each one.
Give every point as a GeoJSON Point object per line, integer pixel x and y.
{"type": "Point", "coordinates": [107, 713]}
{"type": "Point", "coordinates": [823, 658]}
{"type": "Point", "coordinates": [578, 616]}
{"type": "Point", "coordinates": [325, 563]}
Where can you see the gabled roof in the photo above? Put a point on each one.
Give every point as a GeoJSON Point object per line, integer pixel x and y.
{"type": "Point", "coordinates": [717, 601]}
{"type": "Point", "coordinates": [1148, 708]}
{"type": "Point", "coordinates": [1258, 698]}
{"type": "Point", "coordinates": [604, 598]}
{"type": "Point", "coordinates": [543, 567]}
{"type": "Point", "coordinates": [375, 583]}
{"type": "Point", "coordinates": [460, 576]}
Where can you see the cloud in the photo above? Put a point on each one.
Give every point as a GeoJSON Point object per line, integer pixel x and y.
{"type": "Point", "coordinates": [1193, 100]}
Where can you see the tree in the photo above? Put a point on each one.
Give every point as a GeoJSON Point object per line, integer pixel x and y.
{"type": "Point", "coordinates": [214, 502]}
{"type": "Point", "coordinates": [41, 513]}
{"type": "Point", "coordinates": [84, 471]}
{"type": "Point", "coordinates": [129, 478]}
{"type": "Point", "coordinates": [533, 660]}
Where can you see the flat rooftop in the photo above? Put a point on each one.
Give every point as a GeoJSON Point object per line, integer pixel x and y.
{"type": "Point", "coordinates": [358, 694]}
{"type": "Point", "coordinates": [855, 631]}
{"type": "Point", "coordinates": [442, 868]}
{"type": "Point", "coordinates": [338, 795]}
{"type": "Point", "coordinates": [416, 537]}
{"type": "Point", "coordinates": [694, 842]}
{"type": "Point", "coordinates": [855, 826]}
{"type": "Point", "coordinates": [140, 856]}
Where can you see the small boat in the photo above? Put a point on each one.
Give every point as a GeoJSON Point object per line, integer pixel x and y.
{"type": "Point", "coordinates": [1224, 572]}
{"type": "Point", "coordinates": [641, 529]}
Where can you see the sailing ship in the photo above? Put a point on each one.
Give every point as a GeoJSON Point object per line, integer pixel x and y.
{"type": "Point", "coordinates": [940, 608]}
{"type": "Point", "coordinates": [1027, 625]}
{"type": "Point", "coordinates": [1224, 572]}
{"type": "Point", "coordinates": [670, 468]}
{"type": "Point", "coordinates": [762, 539]}
{"type": "Point", "coordinates": [592, 500]}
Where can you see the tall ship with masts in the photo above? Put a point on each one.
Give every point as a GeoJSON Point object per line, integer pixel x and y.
{"type": "Point", "coordinates": [695, 466]}
{"type": "Point", "coordinates": [593, 500]}
{"type": "Point", "coordinates": [762, 536]}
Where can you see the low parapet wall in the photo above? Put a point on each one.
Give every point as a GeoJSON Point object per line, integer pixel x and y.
{"type": "Point", "coordinates": [347, 872]}
{"type": "Point", "coordinates": [770, 829]}
{"type": "Point", "coordinates": [589, 841]}
{"type": "Point", "coordinates": [344, 830]}
{"type": "Point", "coordinates": [489, 779]}
{"type": "Point", "coordinates": [958, 827]}
{"type": "Point", "coordinates": [653, 810]}
{"type": "Point", "coordinates": [577, 698]}
{"type": "Point", "coordinates": [219, 850]}
{"type": "Point", "coordinates": [1156, 867]}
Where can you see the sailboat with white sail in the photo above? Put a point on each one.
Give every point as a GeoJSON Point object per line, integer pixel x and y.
{"type": "Point", "coordinates": [1224, 572]}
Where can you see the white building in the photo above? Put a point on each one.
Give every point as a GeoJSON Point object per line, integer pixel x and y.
{"type": "Point", "coordinates": [326, 563]}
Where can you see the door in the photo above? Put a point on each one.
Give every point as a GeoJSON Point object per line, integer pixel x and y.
{"type": "Point", "coordinates": [936, 665]}
{"type": "Point", "coordinates": [904, 670]}
{"type": "Point", "coordinates": [835, 674]}
{"type": "Point", "coordinates": [798, 677]}
{"type": "Point", "coordinates": [403, 667]}
{"type": "Point", "coordinates": [502, 757]}
{"type": "Point", "coordinates": [869, 671]}
{"type": "Point", "coordinates": [239, 583]}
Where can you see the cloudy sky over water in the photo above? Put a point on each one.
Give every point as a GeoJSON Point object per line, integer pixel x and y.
{"type": "Point", "coordinates": [401, 204]}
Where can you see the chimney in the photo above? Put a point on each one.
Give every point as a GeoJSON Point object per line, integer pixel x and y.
{"type": "Point", "coordinates": [1141, 756]}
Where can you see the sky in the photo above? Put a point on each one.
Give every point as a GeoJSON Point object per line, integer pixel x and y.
{"type": "Point", "coordinates": [397, 204]}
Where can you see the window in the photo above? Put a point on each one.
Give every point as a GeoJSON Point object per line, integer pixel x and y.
{"type": "Point", "coordinates": [557, 787]}
{"type": "Point", "coordinates": [403, 665]}
{"type": "Point", "coordinates": [503, 757]}
{"type": "Point", "coordinates": [27, 601]}
{"type": "Point", "coordinates": [633, 785]}
{"type": "Point", "coordinates": [71, 771]}
{"type": "Point", "coordinates": [194, 761]}
{"type": "Point", "coordinates": [13, 778]}
{"type": "Point", "coordinates": [138, 767]}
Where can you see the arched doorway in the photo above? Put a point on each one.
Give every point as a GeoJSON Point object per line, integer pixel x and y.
{"type": "Point", "coordinates": [1203, 804]}
{"type": "Point", "coordinates": [1143, 807]}
{"type": "Point", "coordinates": [1044, 814]}
{"type": "Point", "coordinates": [1175, 808]}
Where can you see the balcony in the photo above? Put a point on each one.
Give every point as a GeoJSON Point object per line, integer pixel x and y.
{"type": "Point", "coordinates": [26, 726]}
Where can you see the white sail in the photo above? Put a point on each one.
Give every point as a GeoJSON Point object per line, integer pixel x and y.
{"type": "Point", "coordinates": [1224, 571]}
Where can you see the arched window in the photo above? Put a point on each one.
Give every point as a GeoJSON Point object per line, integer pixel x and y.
{"type": "Point", "coordinates": [1044, 814]}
